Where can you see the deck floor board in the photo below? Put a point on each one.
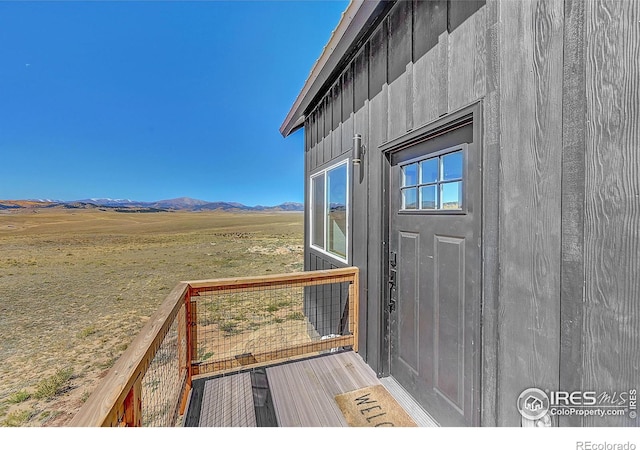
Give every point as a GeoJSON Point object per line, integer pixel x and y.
{"type": "Point", "coordinates": [303, 393]}
{"type": "Point", "coordinates": [228, 402]}
{"type": "Point", "coordinates": [299, 397]}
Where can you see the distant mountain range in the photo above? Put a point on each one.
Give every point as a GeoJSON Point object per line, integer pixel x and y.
{"type": "Point", "coordinates": [124, 205]}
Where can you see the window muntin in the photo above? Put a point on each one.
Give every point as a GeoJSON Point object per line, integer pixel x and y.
{"type": "Point", "coordinates": [329, 210]}
{"type": "Point", "coordinates": [434, 183]}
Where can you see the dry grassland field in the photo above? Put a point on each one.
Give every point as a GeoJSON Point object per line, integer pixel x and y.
{"type": "Point", "coordinates": [76, 286]}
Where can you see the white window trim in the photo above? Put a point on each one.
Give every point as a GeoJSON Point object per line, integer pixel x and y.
{"type": "Point", "coordinates": [323, 173]}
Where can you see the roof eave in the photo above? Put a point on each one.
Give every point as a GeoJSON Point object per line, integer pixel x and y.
{"type": "Point", "coordinates": [353, 21]}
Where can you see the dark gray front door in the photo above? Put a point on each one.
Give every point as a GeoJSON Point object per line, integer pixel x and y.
{"type": "Point", "coordinates": [434, 275]}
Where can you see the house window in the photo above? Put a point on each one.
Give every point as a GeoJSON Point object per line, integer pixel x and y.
{"type": "Point", "coordinates": [433, 183]}
{"type": "Point", "coordinates": [329, 211]}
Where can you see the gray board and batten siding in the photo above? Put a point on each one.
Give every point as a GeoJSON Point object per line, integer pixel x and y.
{"type": "Point", "coordinates": [555, 90]}
{"type": "Point", "coordinates": [370, 97]}
{"type": "Point", "coordinates": [600, 331]}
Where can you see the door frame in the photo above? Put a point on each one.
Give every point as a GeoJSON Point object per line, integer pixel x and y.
{"type": "Point", "coordinates": [485, 359]}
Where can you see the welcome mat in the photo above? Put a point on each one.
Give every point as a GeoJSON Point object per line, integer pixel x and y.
{"type": "Point", "coordinates": [373, 406]}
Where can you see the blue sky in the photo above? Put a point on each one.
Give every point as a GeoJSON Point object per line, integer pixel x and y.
{"type": "Point", "coordinates": [155, 100]}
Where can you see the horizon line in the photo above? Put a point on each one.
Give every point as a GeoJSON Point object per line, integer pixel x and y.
{"type": "Point", "coordinates": [96, 199]}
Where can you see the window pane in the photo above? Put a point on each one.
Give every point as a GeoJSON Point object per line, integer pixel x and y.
{"type": "Point", "coordinates": [429, 171]}
{"type": "Point", "coordinates": [452, 166]}
{"type": "Point", "coordinates": [452, 195]}
{"type": "Point", "coordinates": [410, 198]}
{"type": "Point", "coordinates": [410, 175]}
{"type": "Point", "coordinates": [317, 211]}
{"type": "Point", "coordinates": [428, 197]}
{"type": "Point", "coordinates": [337, 214]}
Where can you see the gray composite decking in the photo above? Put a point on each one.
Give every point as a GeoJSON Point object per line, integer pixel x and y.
{"type": "Point", "coordinates": [302, 393]}
{"type": "Point", "coordinates": [228, 402]}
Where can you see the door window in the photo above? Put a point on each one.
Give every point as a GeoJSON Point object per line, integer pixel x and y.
{"type": "Point", "coordinates": [434, 183]}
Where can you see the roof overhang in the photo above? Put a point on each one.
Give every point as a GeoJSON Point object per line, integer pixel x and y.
{"type": "Point", "coordinates": [353, 23]}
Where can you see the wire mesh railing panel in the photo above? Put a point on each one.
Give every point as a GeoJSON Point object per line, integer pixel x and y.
{"type": "Point", "coordinates": [162, 384]}
{"type": "Point", "coordinates": [214, 326]}
{"type": "Point", "coordinates": [239, 327]}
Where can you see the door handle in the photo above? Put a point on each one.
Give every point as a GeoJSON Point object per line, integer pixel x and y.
{"type": "Point", "coordinates": [392, 290]}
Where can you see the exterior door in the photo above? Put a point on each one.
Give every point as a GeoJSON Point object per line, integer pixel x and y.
{"type": "Point", "coordinates": [434, 275]}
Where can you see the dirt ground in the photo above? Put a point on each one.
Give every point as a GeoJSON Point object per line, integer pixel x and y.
{"type": "Point", "coordinates": [77, 285]}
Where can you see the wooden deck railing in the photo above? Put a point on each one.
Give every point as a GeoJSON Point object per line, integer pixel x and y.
{"type": "Point", "coordinates": [210, 327]}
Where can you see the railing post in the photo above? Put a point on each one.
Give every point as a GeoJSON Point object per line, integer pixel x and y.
{"type": "Point", "coordinates": [354, 308]}
{"type": "Point", "coordinates": [133, 405]}
{"type": "Point", "coordinates": [183, 350]}
{"type": "Point", "coordinates": [185, 356]}
{"type": "Point", "coordinates": [193, 338]}
{"type": "Point", "coordinates": [182, 338]}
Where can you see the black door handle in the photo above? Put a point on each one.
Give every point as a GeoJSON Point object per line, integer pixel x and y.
{"type": "Point", "coordinates": [392, 290]}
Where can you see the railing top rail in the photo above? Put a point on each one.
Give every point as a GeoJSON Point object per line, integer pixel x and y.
{"type": "Point", "coordinates": [303, 278]}
{"type": "Point", "coordinates": [112, 390]}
